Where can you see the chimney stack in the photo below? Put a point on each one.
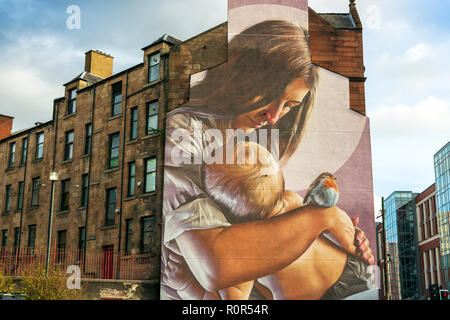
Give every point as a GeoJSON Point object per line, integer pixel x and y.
{"type": "Point", "coordinates": [6, 123]}
{"type": "Point", "coordinates": [99, 63]}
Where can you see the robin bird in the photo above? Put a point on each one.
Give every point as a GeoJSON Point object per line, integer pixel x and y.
{"type": "Point", "coordinates": [323, 192]}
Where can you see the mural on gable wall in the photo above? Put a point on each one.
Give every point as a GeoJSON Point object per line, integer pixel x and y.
{"type": "Point", "coordinates": [266, 169]}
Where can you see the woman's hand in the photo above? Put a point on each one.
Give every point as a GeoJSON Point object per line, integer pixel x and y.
{"type": "Point", "coordinates": [363, 249]}
{"type": "Point", "coordinates": [342, 228]}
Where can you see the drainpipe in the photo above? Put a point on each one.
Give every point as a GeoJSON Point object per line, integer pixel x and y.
{"type": "Point", "coordinates": [89, 178]}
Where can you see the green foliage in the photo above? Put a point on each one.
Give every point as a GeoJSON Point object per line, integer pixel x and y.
{"type": "Point", "coordinates": [6, 284]}
{"type": "Point", "coordinates": [36, 284]}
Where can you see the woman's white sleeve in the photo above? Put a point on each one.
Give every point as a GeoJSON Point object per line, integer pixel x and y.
{"type": "Point", "coordinates": [201, 213]}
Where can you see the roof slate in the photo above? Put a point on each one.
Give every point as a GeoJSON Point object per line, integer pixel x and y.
{"type": "Point", "coordinates": [339, 20]}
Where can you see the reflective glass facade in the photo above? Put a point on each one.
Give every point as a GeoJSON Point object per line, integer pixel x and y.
{"type": "Point", "coordinates": [442, 174]}
{"type": "Point", "coordinates": [402, 245]}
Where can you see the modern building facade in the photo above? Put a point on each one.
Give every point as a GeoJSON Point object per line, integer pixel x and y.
{"type": "Point", "coordinates": [428, 240]}
{"type": "Point", "coordinates": [105, 142]}
{"type": "Point", "coordinates": [401, 245]}
{"type": "Point", "coordinates": [442, 176]}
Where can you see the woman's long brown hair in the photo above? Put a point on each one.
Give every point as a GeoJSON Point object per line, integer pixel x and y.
{"type": "Point", "coordinates": [263, 60]}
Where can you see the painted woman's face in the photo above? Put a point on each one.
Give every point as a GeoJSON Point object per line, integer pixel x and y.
{"type": "Point", "coordinates": [270, 114]}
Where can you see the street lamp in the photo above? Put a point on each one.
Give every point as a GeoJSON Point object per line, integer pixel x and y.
{"type": "Point", "coordinates": [53, 177]}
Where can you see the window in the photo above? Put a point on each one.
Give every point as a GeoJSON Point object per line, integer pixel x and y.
{"type": "Point", "coordinates": [68, 147]}
{"type": "Point", "coordinates": [39, 145]}
{"type": "Point", "coordinates": [61, 246]}
{"type": "Point", "coordinates": [8, 198]}
{"type": "Point", "coordinates": [110, 207]}
{"type": "Point", "coordinates": [114, 144]}
{"type": "Point", "coordinates": [23, 159]}
{"type": "Point", "coordinates": [131, 178]}
{"type": "Point", "coordinates": [128, 235]}
{"type": "Point", "coordinates": [32, 236]}
{"type": "Point", "coordinates": [153, 67]}
{"type": "Point", "coordinates": [146, 234]}
{"type": "Point", "coordinates": [20, 196]}
{"type": "Point", "coordinates": [150, 175]}
{"type": "Point", "coordinates": [84, 190]}
{"type": "Point", "coordinates": [12, 154]}
{"type": "Point", "coordinates": [35, 191]}
{"type": "Point", "coordinates": [65, 194]}
{"type": "Point", "coordinates": [152, 117]}
{"type": "Point", "coordinates": [4, 238]}
{"type": "Point", "coordinates": [88, 139]}
{"type": "Point", "coordinates": [116, 107]}
{"type": "Point", "coordinates": [81, 243]}
{"type": "Point", "coordinates": [134, 123]}
{"type": "Point", "coordinates": [16, 237]}
{"type": "Point", "coordinates": [72, 105]}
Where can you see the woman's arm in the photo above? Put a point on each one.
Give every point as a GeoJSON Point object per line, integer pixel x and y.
{"type": "Point", "coordinates": [223, 257]}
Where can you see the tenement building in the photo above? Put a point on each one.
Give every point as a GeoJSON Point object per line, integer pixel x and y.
{"type": "Point", "coordinates": [428, 241]}
{"type": "Point", "coordinates": [91, 178]}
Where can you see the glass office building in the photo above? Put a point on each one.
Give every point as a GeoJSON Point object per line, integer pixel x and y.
{"type": "Point", "coordinates": [401, 238]}
{"type": "Point", "coordinates": [442, 174]}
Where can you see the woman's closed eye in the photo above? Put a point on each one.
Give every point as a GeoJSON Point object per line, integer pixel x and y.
{"type": "Point", "coordinates": [292, 104]}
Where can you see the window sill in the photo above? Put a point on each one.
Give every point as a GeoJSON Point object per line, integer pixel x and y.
{"type": "Point", "coordinates": [37, 160]}
{"type": "Point", "coordinates": [17, 210]}
{"type": "Point", "coordinates": [147, 195]}
{"type": "Point", "coordinates": [113, 226]}
{"type": "Point", "coordinates": [67, 161]}
{"type": "Point", "coordinates": [150, 136]}
{"type": "Point", "coordinates": [86, 155]}
{"type": "Point", "coordinates": [112, 169]}
{"type": "Point", "coordinates": [68, 116]}
{"type": "Point", "coordinates": [82, 208]}
{"type": "Point", "coordinates": [134, 141]}
{"type": "Point", "coordinates": [62, 212]}
{"type": "Point", "coordinates": [117, 116]}
{"type": "Point", "coordinates": [21, 165]}
{"type": "Point", "coordinates": [6, 213]}
{"type": "Point", "coordinates": [33, 208]}
{"type": "Point", "coordinates": [9, 169]}
{"type": "Point", "coordinates": [129, 198]}
{"type": "Point", "coordinates": [152, 84]}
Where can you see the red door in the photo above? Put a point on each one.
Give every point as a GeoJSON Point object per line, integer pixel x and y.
{"type": "Point", "coordinates": [108, 266]}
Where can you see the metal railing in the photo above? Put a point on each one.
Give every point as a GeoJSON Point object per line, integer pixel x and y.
{"type": "Point", "coordinates": [93, 265]}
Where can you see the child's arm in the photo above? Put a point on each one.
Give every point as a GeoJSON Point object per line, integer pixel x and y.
{"type": "Point", "coordinates": [240, 291]}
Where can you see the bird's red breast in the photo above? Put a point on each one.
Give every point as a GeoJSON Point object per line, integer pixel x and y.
{"type": "Point", "coordinates": [330, 183]}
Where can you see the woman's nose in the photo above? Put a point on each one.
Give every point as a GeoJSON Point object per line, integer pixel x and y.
{"type": "Point", "coordinates": [273, 114]}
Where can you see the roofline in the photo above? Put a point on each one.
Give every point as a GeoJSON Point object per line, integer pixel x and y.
{"type": "Point", "coordinates": [441, 149]}
{"type": "Point", "coordinates": [140, 65]}
{"type": "Point", "coordinates": [4, 115]}
{"type": "Point", "coordinates": [202, 33]}
{"type": "Point", "coordinates": [26, 131]}
{"type": "Point", "coordinates": [161, 40]}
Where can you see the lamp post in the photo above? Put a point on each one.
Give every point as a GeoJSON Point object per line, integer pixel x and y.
{"type": "Point", "coordinates": [53, 177]}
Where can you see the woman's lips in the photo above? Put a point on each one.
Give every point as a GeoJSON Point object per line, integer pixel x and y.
{"type": "Point", "coordinates": [256, 125]}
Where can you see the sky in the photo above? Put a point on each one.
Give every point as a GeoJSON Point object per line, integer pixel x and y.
{"type": "Point", "coordinates": [406, 45]}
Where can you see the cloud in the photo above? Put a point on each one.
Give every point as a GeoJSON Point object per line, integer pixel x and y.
{"type": "Point", "coordinates": [405, 139]}
{"type": "Point", "coordinates": [418, 52]}
{"type": "Point", "coordinates": [34, 68]}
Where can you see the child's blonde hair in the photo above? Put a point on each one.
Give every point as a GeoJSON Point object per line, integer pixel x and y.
{"type": "Point", "coordinates": [249, 188]}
